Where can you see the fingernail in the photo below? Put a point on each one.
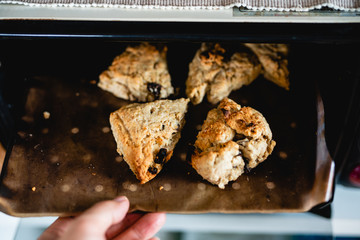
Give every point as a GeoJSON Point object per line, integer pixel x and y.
{"type": "Point", "coordinates": [120, 199]}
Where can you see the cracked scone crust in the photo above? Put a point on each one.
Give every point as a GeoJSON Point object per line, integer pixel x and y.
{"type": "Point", "coordinates": [273, 58]}
{"type": "Point", "coordinates": [146, 134]}
{"type": "Point", "coordinates": [140, 73]}
{"type": "Point", "coordinates": [230, 138]}
{"type": "Point", "coordinates": [212, 74]}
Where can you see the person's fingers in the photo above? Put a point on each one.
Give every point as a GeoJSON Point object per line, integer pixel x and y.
{"type": "Point", "coordinates": [144, 228]}
{"type": "Point", "coordinates": [129, 220]}
{"type": "Point", "coordinates": [95, 221]}
{"type": "Point", "coordinates": [56, 229]}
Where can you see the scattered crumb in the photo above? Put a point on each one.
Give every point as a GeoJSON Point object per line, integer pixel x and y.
{"type": "Point", "coordinates": [22, 134]}
{"type": "Point", "coordinates": [132, 187]}
{"type": "Point", "coordinates": [75, 130]}
{"type": "Point", "coordinates": [93, 82]}
{"type": "Point", "coordinates": [236, 186]}
{"type": "Point", "coordinates": [283, 155]}
{"type": "Point", "coordinates": [54, 159]}
{"type": "Point", "coordinates": [45, 131]}
{"type": "Point", "coordinates": [46, 114]}
{"type": "Point", "coordinates": [65, 188]}
{"type": "Point", "coordinates": [77, 94]}
{"type": "Point", "coordinates": [118, 159]}
{"type": "Point", "coordinates": [99, 188]}
{"type": "Point", "coordinates": [106, 129]}
{"type": "Point", "coordinates": [33, 189]}
{"type": "Point", "coordinates": [183, 156]}
{"type": "Point", "coordinates": [161, 188]}
{"type": "Point", "coordinates": [293, 125]}
{"type": "Point", "coordinates": [167, 186]}
{"type": "Point", "coordinates": [270, 185]}
{"type": "Point", "coordinates": [94, 173]}
{"type": "Point", "coordinates": [198, 127]}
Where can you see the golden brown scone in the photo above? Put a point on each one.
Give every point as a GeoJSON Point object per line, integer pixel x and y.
{"type": "Point", "coordinates": [146, 134]}
{"type": "Point", "coordinates": [138, 74]}
{"type": "Point", "coordinates": [231, 137]}
{"type": "Point", "coordinates": [273, 59]}
{"type": "Point", "coordinates": [210, 73]}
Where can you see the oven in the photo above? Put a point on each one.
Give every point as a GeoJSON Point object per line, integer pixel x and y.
{"type": "Point", "coordinates": [61, 157]}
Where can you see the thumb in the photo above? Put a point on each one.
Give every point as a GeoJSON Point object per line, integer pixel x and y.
{"type": "Point", "coordinates": [94, 222]}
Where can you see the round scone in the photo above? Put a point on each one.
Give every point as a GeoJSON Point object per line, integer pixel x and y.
{"type": "Point", "coordinates": [231, 138]}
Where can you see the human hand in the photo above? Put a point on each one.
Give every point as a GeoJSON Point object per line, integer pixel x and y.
{"type": "Point", "coordinates": [106, 220]}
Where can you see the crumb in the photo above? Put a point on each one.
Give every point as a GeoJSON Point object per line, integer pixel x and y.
{"type": "Point", "coordinates": [106, 129]}
{"type": "Point", "coordinates": [283, 155]}
{"type": "Point", "coordinates": [33, 189]}
{"type": "Point", "coordinates": [75, 130]}
{"type": "Point", "coordinates": [46, 115]}
{"type": "Point", "coordinates": [93, 82]}
{"type": "Point", "coordinates": [161, 188]}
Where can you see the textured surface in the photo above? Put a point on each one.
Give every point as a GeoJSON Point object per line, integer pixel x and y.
{"type": "Point", "coordinates": [230, 138]}
{"type": "Point", "coordinates": [146, 134]}
{"type": "Point", "coordinates": [140, 73]}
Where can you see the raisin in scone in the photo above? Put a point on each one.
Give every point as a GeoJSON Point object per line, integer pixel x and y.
{"type": "Point", "coordinates": [146, 134]}
{"type": "Point", "coordinates": [212, 74]}
{"type": "Point", "coordinates": [140, 73]}
{"type": "Point", "coordinates": [274, 61]}
{"type": "Point", "coordinates": [230, 138]}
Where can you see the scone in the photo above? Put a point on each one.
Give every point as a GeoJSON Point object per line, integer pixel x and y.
{"type": "Point", "coordinates": [231, 138]}
{"type": "Point", "coordinates": [138, 74]}
{"type": "Point", "coordinates": [146, 134]}
{"type": "Point", "coordinates": [274, 61]}
{"type": "Point", "coordinates": [212, 74]}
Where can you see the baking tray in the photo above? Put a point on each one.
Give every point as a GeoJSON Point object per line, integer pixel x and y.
{"type": "Point", "coordinates": [64, 157]}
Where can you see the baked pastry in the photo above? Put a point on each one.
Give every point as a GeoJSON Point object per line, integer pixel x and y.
{"type": "Point", "coordinates": [231, 138]}
{"type": "Point", "coordinates": [146, 134]}
{"type": "Point", "coordinates": [212, 74]}
{"type": "Point", "coordinates": [274, 61]}
{"type": "Point", "coordinates": [138, 74]}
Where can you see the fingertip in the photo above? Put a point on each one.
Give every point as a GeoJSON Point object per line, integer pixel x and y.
{"type": "Point", "coordinates": [121, 199]}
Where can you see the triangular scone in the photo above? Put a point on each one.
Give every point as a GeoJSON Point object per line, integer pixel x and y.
{"type": "Point", "coordinates": [274, 61]}
{"type": "Point", "coordinates": [230, 138]}
{"type": "Point", "coordinates": [140, 73]}
{"type": "Point", "coordinates": [146, 134]}
{"type": "Point", "coordinates": [212, 74]}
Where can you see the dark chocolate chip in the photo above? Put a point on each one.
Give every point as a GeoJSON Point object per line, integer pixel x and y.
{"type": "Point", "coordinates": [160, 157]}
{"type": "Point", "coordinates": [225, 112]}
{"type": "Point", "coordinates": [250, 124]}
{"type": "Point", "coordinates": [155, 89]}
{"type": "Point", "coordinates": [205, 54]}
{"type": "Point", "coordinates": [152, 170]}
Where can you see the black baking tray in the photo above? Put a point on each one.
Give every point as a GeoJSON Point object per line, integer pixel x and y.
{"type": "Point", "coordinates": [50, 170]}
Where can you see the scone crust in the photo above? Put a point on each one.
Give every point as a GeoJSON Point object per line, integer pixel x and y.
{"type": "Point", "coordinates": [211, 74]}
{"type": "Point", "coordinates": [142, 130]}
{"type": "Point", "coordinates": [140, 73]}
{"type": "Point", "coordinates": [274, 61]}
{"type": "Point", "coordinates": [242, 132]}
